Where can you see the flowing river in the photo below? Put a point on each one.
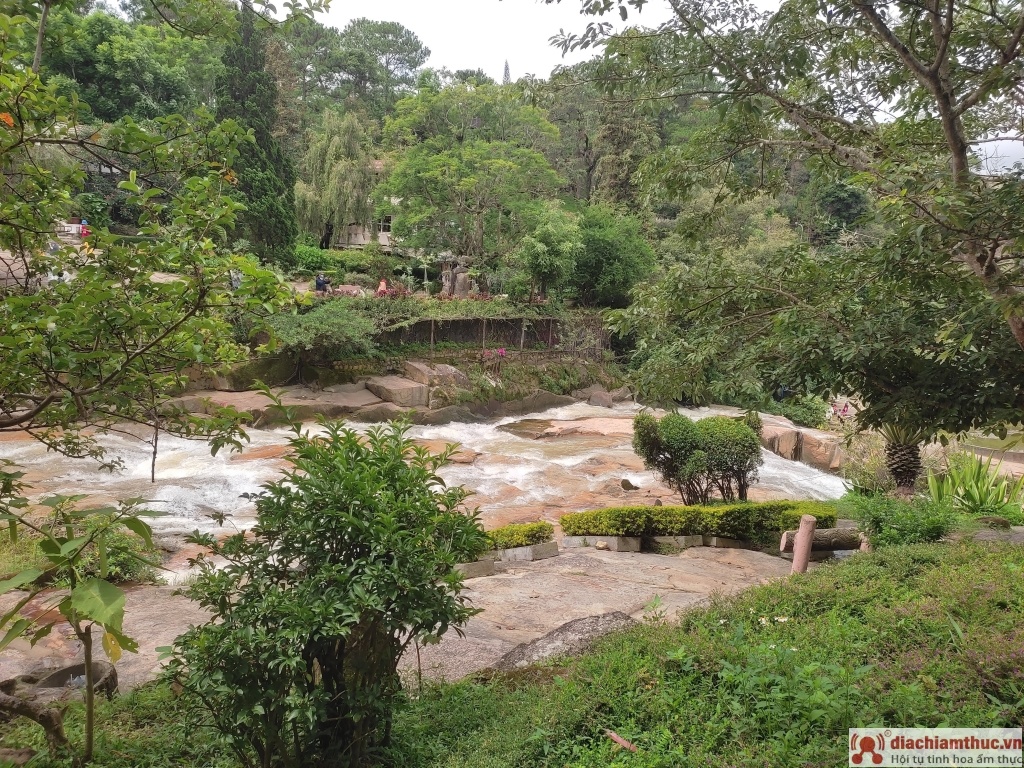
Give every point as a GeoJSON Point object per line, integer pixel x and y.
{"type": "Point", "coordinates": [535, 466]}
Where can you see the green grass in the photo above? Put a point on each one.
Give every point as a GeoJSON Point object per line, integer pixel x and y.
{"type": "Point", "coordinates": [19, 556]}
{"type": "Point", "coordinates": [928, 635]}
{"type": "Point", "coordinates": [925, 635]}
{"type": "Point", "coordinates": [148, 728]}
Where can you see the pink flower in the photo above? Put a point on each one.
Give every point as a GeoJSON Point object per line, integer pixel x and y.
{"type": "Point", "coordinates": [501, 352]}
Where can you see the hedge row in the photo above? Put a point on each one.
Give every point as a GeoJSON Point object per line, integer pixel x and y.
{"type": "Point", "coordinates": [749, 522]}
{"type": "Point", "coordinates": [521, 535]}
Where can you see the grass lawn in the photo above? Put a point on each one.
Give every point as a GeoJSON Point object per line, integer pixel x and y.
{"type": "Point", "coordinates": [16, 557]}
{"type": "Point", "coordinates": [927, 635]}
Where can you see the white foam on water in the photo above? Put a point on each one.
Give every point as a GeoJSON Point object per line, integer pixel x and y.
{"type": "Point", "coordinates": [191, 484]}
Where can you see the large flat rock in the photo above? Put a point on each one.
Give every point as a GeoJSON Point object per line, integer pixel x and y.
{"type": "Point", "coordinates": [399, 390]}
{"type": "Point", "coordinates": [523, 602]}
{"type": "Point", "coordinates": [530, 599]}
{"type": "Point", "coordinates": [306, 404]}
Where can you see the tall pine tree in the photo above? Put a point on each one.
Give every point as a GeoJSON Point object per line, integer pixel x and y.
{"type": "Point", "coordinates": [247, 93]}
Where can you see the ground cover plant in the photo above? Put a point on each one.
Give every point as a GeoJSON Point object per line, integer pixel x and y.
{"type": "Point", "coordinates": [974, 486]}
{"type": "Point", "coordinates": [926, 635]}
{"type": "Point", "coordinates": [889, 520]}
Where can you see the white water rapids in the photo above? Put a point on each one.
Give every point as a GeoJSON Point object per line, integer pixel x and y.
{"type": "Point", "coordinates": [515, 478]}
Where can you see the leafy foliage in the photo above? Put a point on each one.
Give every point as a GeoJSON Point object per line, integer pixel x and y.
{"type": "Point", "coordinates": [120, 69]}
{"type": "Point", "coordinates": [614, 258]}
{"type": "Point", "coordinates": [468, 173]}
{"type": "Point", "coordinates": [805, 410]}
{"type": "Point", "coordinates": [713, 455]}
{"type": "Point", "coordinates": [266, 180]}
{"type": "Point", "coordinates": [748, 522]}
{"type": "Point", "coordinates": [890, 521]}
{"type": "Point", "coordinates": [336, 178]}
{"type": "Point", "coordinates": [521, 535]}
{"type": "Point", "coordinates": [328, 331]}
{"type": "Point", "coordinates": [58, 374]}
{"type": "Point", "coordinates": [78, 545]}
{"type": "Point", "coordinates": [384, 58]}
{"type": "Point", "coordinates": [350, 561]}
{"type": "Point", "coordinates": [549, 252]}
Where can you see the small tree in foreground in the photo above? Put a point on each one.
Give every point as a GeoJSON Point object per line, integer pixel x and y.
{"type": "Point", "coordinates": [699, 459]}
{"type": "Point", "coordinates": [67, 536]}
{"type": "Point", "coordinates": [350, 561]}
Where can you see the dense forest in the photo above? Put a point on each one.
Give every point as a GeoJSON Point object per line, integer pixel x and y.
{"type": "Point", "coordinates": [758, 207]}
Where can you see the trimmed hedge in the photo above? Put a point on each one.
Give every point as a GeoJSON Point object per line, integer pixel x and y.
{"type": "Point", "coordinates": [748, 522]}
{"type": "Point", "coordinates": [521, 535]}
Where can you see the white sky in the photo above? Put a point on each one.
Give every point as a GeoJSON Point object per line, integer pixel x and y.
{"type": "Point", "coordinates": [467, 34]}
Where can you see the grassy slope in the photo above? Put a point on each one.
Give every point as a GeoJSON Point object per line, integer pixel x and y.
{"type": "Point", "coordinates": [925, 635]}
{"type": "Point", "coordinates": [928, 635]}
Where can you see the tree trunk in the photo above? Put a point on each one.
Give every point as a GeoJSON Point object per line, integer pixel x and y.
{"type": "Point", "coordinates": [90, 694]}
{"type": "Point", "coordinates": [903, 461]}
{"type": "Point", "coordinates": [51, 720]}
{"type": "Point", "coordinates": [40, 34]}
{"type": "Point", "coordinates": [825, 540]}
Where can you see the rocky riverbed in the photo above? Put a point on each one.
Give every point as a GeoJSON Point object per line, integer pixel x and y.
{"type": "Point", "coordinates": [537, 466]}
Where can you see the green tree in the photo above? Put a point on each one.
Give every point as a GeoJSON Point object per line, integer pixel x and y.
{"type": "Point", "coordinates": [698, 459]}
{"type": "Point", "coordinates": [815, 77]}
{"type": "Point", "coordinates": [336, 178]}
{"type": "Point", "coordinates": [549, 252]}
{"type": "Point", "coordinates": [468, 172]}
{"type": "Point", "coordinates": [390, 56]}
{"type": "Point", "coordinates": [350, 563]}
{"type": "Point", "coordinates": [121, 69]}
{"type": "Point", "coordinates": [327, 332]}
{"type": "Point", "coordinates": [247, 94]}
{"type": "Point", "coordinates": [67, 537]}
{"type": "Point", "coordinates": [615, 256]}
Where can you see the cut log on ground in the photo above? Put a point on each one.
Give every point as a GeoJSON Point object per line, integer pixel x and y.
{"type": "Point", "coordinates": [825, 540]}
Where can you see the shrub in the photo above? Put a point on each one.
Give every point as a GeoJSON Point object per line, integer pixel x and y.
{"type": "Point", "coordinates": [749, 522]}
{"type": "Point", "coordinates": [128, 559]}
{"type": "Point", "coordinates": [521, 535]}
{"type": "Point", "coordinates": [311, 258]}
{"type": "Point", "coordinates": [351, 561]}
{"type": "Point", "coordinates": [804, 410]}
{"type": "Point", "coordinates": [733, 455]}
{"type": "Point", "coordinates": [891, 521]}
{"type": "Point", "coordinates": [697, 459]}
{"type": "Point", "coordinates": [329, 331]}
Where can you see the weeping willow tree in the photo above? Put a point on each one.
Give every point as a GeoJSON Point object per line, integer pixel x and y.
{"type": "Point", "coordinates": [336, 178]}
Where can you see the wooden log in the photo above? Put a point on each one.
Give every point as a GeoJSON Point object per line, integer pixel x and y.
{"type": "Point", "coordinates": [802, 544]}
{"type": "Point", "coordinates": [825, 540]}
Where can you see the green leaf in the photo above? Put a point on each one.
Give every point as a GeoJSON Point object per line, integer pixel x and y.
{"type": "Point", "coordinates": [16, 630]}
{"type": "Point", "coordinates": [19, 580]}
{"type": "Point", "coordinates": [99, 601]}
{"type": "Point", "coordinates": [140, 529]}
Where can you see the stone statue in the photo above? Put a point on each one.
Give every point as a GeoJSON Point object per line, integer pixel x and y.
{"type": "Point", "coordinates": [462, 286]}
{"type": "Point", "coordinates": [446, 282]}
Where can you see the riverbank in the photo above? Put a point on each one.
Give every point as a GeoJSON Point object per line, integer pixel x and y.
{"type": "Point", "coordinates": [773, 676]}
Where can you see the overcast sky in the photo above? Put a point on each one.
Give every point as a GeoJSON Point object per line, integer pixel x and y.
{"type": "Point", "coordinates": [467, 34]}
